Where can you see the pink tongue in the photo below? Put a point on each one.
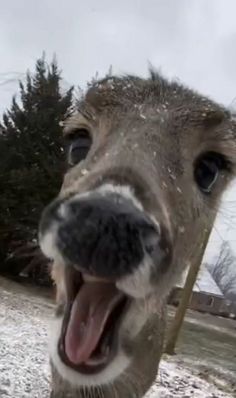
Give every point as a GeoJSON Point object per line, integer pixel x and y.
{"type": "Point", "coordinates": [89, 313]}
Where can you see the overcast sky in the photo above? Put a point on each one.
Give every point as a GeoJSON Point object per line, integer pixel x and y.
{"type": "Point", "coordinates": [194, 40]}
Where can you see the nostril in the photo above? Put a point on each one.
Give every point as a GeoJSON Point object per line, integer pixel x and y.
{"type": "Point", "coordinates": [157, 244]}
{"type": "Point", "coordinates": [150, 238]}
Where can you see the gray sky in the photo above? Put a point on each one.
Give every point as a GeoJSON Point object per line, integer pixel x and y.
{"type": "Point", "coordinates": [194, 40]}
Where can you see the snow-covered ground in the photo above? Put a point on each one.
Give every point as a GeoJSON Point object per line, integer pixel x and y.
{"type": "Point", "coordinates": [24, 369]}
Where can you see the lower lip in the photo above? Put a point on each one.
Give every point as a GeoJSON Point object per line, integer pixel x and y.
{"type": "Point", "coordinates": [90, 367]}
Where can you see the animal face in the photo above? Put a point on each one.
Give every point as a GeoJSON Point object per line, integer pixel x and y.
{"type": "Point", "coordinates": [148, 161]}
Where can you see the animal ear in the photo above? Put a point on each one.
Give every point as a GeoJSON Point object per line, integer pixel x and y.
{"type": "Point", "coordinates": [214, 117]}
{"type": "Point", "coordinates": [231, 142]}
{"type": "Point", "coordinates": [233, 125]}
{"type": "Point", "coordinates": [233, 118]}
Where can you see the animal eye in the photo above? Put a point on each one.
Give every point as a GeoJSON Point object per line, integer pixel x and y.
{"type": "Point", "coordinates": [207, 170]}
{"type": "Point", "coordinates": [78, 146]}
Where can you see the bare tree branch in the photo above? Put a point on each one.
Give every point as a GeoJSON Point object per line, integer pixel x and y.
{"type": "Point", "coordinates": [224, 271]}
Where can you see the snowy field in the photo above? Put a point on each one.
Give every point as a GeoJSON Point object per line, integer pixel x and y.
{"type": "Point", "coordinates": [24, 369]}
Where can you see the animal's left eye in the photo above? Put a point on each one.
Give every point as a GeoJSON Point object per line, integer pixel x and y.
{"type": "Point", "coordinates": [78, 146]}
{"type": "Point", "coordinates": [207, 170]}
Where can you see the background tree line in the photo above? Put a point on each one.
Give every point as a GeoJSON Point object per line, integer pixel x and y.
{"type": "Point", "coordinates": [31, 167]}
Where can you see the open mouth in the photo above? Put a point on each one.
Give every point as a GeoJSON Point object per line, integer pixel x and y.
{"type": "Point", "coordinates": [94, 310]}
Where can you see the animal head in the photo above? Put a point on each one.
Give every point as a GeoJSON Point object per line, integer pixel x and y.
{"type": "Point", "coordinates": [148, 161]}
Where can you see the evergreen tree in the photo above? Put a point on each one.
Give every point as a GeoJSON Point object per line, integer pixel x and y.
{"type": "Point", "coordinates": [31, 164]}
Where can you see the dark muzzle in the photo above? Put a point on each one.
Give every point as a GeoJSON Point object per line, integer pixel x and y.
{"type": "Point", "coordinates": [107, 236]}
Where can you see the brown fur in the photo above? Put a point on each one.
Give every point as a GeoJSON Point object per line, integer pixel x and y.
{"type": "Point", "coordinates": [148, 133]}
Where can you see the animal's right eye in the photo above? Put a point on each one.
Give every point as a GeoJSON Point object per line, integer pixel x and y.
{"type": "Point", "coordinates": [207, 170]}
{"type": "Point", "coordinates": [78, 146]}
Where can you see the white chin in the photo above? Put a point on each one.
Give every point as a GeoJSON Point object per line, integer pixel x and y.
{"type": "Point", "coordinates": [106, 376]}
